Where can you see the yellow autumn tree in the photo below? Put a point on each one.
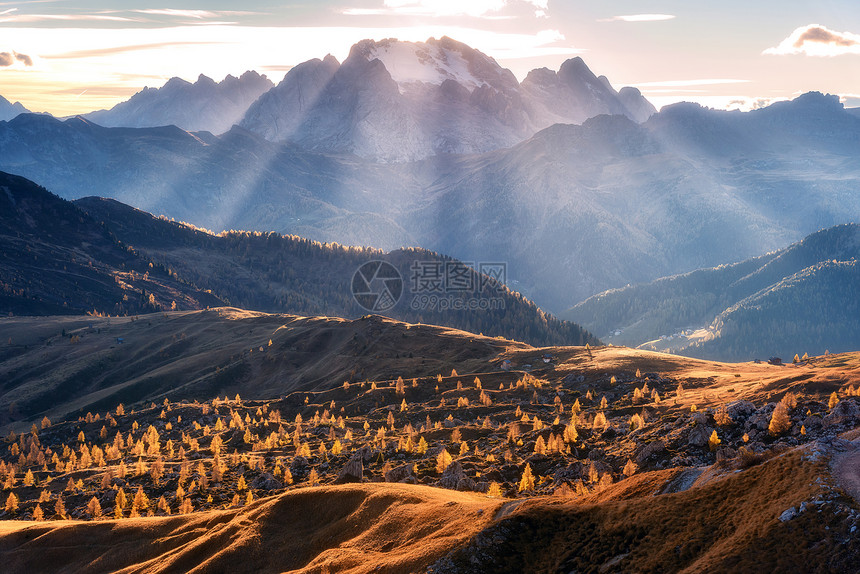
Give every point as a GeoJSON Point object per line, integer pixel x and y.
{"type": "Point", "coordinates": [11, 503]}
{"type": "Point", "coordinates": [714, 441]}
{"type": "Point", "coordinates": [779, 421]}
{"type": "Point", "coordinates": [94, 508]}
{"type": "Point", "coordinates": [527, 481]}
{"type": "Point", "coordinates": [443, 459]}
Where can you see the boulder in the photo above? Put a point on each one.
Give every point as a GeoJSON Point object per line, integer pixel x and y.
{"type": "Point", "coordinates": [812, 422]}
{"type": "Point", "coordinates": [452, 476]}
{"type": "Point", "coordinates": [400, 473]}
{"type": "Point", "coordinates": [845, 412]}
{"type": "Point", "coordinates": [650, 450]}
{"type": "Point", "coordinates": [788, 514]}
{"type": "Point", "coordinates": [266, 481]}
{"type": "Point", "coordinates": [760, 419]}
{"type": "Point", "coordinates": [352, 471]}
{"type": "Point", "coordinates": [699, 435]}
{"type": "Point", "coordinates": [740, 410]}
{"type": "Point", "coordinates": [451, 423]}
{"type": "Point", "coordinates": [467, 484]}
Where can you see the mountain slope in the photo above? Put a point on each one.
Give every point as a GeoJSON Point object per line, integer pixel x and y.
{"type": "Point", "coordinates": [202, 106]}
{"type": "Point", "coordinates": [812, 311]}
{"type": "Point", "coordinates": [8, 110]}
{"type": "Point", "coordinates": [187, 355]}
{"type": "Point", "coordinates": [403, 101]}
{"type": "Point", "coordinates": [118, 260]}
{"type": "Point", "coordinates": [57, 260]}
{"type": "Point", "coordinates": [340, 527]}
{"type": "Point", "coordinates": [799, 299]}
{"type": "Point", "coordinates": [236, 181]}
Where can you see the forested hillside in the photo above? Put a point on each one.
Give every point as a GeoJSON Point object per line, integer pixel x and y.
{"type": "Point", "coordinates": [752, 308]}
{"type": "Point", "coordinates": [288, 274]}
{"type": "Point", "coordinates": [57, 261]}
{"type": "Point", "coordinates": [811, 312]}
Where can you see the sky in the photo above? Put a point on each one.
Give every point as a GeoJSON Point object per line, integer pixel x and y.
{"type": "Point", "coordinates": [69, 56]}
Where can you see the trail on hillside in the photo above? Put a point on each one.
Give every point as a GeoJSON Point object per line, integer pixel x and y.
{"type": "Point", "coordinates": [846, 469]}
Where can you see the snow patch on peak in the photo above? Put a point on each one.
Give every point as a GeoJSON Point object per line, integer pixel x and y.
{"type": "Point", "coordinates": [431, 62]}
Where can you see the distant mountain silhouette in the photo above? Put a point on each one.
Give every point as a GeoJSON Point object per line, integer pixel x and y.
{"type": "Point", "coordinates": [8, 110]}
{"type": "Point", "coordinates": [202, 106]}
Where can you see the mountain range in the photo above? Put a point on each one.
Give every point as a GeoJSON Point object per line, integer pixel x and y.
{"type": "Point", "coordinates": [202, 106]}
{"type": "Point", "coordinates": [102, 257]}
{"type": "Point", "coordinates": [572, 211]}
{"type": "Point", "coordinates": [797, 300]}
{"type": "Point", "coordinates": [403, 101]}
{"type": "Point", "coordinates": [389, 101]}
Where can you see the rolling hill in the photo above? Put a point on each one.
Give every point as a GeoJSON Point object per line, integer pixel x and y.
{"type": "Point", "coordinates": [603, 458]}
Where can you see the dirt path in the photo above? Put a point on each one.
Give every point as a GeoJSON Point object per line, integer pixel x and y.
{"type": "Point", "coordinates": [683, 481]}
{"type": "Point", "coordinates": [846, 470]}
{"type": "Point", "coordinates": [507, 508]}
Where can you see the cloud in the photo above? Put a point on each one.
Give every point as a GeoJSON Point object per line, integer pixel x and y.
{"type": "Point", "coordinates": [32, 18]}
{"type": "Point", "coordinates": [682, 83]}
{"type": "Point", "coordinates": [77, 91]}
{"type": "Point", "coordinates": [488, 9]}
{"type": "Point", "coordinates": [540, 6]}
{"type": "Point", "coordinates": [198, 14]}
{"type": "Point", "coordinates": [24, 59]}
{"type": "Point", "coordinates": [639, 18]}
{"type": "Point", "coordinates": [9, 58]}
{"type": "Point", "coordinates": [432, 8]}
{"type": "Point", "coordinates": [194, 14]}
{"type": "Point", "coordinates": [97, 52]}
{"type": "Point", "coordinates": [817, 40]}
